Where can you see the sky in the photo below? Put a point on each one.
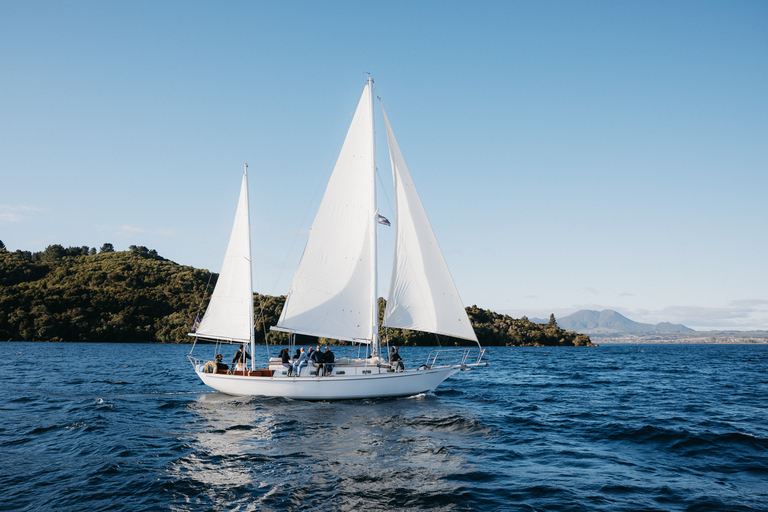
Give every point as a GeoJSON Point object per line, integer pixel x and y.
{"type": "Point", "coordinates": [570, 155]}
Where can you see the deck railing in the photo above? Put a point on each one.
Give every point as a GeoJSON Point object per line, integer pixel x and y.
{"type": "Point", "coordinates": [465, 357]}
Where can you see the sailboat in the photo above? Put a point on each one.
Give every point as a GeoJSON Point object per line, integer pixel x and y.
{"type": "Point", "coordinates": [334, 294]}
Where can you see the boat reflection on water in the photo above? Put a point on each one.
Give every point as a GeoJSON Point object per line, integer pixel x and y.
{"type": "Point", "coordinates": [227, 432]}
{"type": "Point", "coordinates": [250, 453]}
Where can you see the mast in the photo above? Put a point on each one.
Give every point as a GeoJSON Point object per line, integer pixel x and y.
{"type": "Point", "coordinates": [374, 234]}
{"type": "Point", "coordinates": [250, 265]}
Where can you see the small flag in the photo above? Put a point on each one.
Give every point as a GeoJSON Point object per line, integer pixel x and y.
{"type": "Point", "coordinates": [196, 324]}
{"type": "Point", "coordinates": [383, 220]}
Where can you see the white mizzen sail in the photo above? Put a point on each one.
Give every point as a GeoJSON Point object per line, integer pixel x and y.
{"type": "Point", "coordinates": [229, 315]}
{"type": "Point", "coordinates": [422, 294]}
{"type": "Point", "coordinates": [333, 290]}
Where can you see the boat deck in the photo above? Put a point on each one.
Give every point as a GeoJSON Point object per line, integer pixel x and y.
{"type": "Point", "coordinates": [346, 366]}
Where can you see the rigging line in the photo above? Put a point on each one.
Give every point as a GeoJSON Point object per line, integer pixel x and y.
{"type": "Point", "coordinates": [318, 188]}
{"type": "Point", "coordinates": [260, 318]}
{"type": "Point", "coordinates": [383, 189]}
{"type": "Point", "coordinates": [350, 351]}
{"type": "Point", "coordinates": [202, 299]}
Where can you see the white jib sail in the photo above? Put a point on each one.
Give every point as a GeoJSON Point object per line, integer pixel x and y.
{"type": "Point", "coordinates": [422, 294]}
{"type": "Point", "coordinates": [330, 295]}
{"type": "Point", "coordinates": [229, 315]}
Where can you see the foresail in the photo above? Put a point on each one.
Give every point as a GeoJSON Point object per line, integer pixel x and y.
{"type": "Point", "coordinates": [229, 315]}
{"type": "Point", "coordinates": [330, 295]}
{"type": "Point", "coordinates": [422, 294]}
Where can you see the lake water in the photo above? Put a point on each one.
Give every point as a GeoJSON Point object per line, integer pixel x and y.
{"type": "Point", "coordinates": [610, 428]}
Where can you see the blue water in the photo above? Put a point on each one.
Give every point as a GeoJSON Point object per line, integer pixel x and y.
{"type": "Point", "coordinates": [614, 428]}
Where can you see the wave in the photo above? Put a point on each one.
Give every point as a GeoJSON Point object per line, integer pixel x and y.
{"type": "Point", "coordinates": [451, 423]}
{"type": "Point", "coordinates": [681, 439]}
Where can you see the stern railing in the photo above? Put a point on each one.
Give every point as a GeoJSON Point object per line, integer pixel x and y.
{"type": "Point", "coordinates": [465, 357]}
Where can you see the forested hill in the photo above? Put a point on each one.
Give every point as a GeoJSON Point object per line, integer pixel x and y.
{"type": "Point", "coordinates": [79, 294]}
{"type": "Point", "coordinates": [75, 295]}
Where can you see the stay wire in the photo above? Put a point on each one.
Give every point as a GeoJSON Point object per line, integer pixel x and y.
{"type": "Point", "coordinates": [310, 203]}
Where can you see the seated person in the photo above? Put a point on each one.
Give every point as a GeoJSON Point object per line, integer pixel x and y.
{"type": "Point", "coordinates": [317, 358]}
{"type": "Point", "coordinates": [396, 360]}
{"type": "Point", "coordinates": [301, 362]}
{"type": "Point", "coordinates": [219, 364]}
{"type": "Point", "coordinates": [285, 356]}
{"type": "Point", "coordinates": [329, 358]}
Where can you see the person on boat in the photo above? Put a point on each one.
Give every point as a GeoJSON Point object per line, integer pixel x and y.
{"type": "Point", "coordinates": [329, 358]}
{"type": "Point", "coordinates": [296, 355]}
{"type": "Point", "coordinates": [301, 362]}
{"type": "Point", "coordinates": [286, 357]}
{"type": "Point", "coordinates": [394, 357]}
{"type": "Point", "coordinates": [316, 356]}
{"type": "Point", "coordinates": [219, 364]}
{"type": "Point", "coordinates": [240, 356]}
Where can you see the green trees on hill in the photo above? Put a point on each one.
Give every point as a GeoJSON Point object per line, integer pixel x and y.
{"type": "Point", "coordinates": [61, 295]}
{"type": "Point", "coordinates": [75, 294]}
{"type": "Point", "coordinates": [497, 329]}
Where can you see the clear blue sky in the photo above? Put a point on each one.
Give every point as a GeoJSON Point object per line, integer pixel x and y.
{"type": "Point", "coordinates": [570, 155]}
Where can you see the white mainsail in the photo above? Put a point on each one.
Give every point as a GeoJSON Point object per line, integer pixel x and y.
{"type": "Point", "coordinates": [422, 294]}
{"type": "Point", "coordinates": [333, 290]}
{"type": "Point", "coordinates": [229, 315]}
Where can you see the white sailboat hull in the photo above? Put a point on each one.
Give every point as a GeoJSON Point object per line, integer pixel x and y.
{"type": "Point", "coordinates": [407, 383]}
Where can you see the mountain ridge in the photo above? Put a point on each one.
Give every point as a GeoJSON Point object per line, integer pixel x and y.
{"type": "Point", "coordinates": [610, 322]}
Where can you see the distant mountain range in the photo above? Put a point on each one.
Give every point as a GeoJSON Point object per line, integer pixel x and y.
{"type": "Point", "coordinates": [609, 322]}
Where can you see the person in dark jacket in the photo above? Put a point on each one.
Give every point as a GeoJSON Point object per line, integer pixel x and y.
{"type": "Point", "coordinates": [329, 358]}
{"type": "Point", "coordinates": [240, 356]}
{"type": "Point", "coordinates": [286, 358]}
{"type": "Point", "coordinates": [317, 357]}
{"type": "Point", "coordinates": [394, 358]}
{"type": "Point", "coordinates": [219, 364]}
